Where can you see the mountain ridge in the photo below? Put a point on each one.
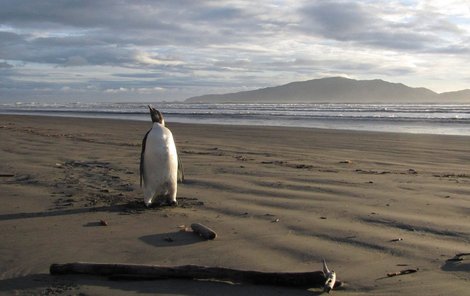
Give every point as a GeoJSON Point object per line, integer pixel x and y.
{"type": "Point", "coordinates": [337, 90]}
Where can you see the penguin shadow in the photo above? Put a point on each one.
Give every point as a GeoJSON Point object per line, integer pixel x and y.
{"type": "Point", "coordinates": [172, 239]}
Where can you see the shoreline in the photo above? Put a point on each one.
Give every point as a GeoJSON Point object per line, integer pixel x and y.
{"type": "Point", "coordinates": [415, 119]}
{"type": "Point", "coordinates": [238, 125]}
{"type": "Point", "coordinates": [370, 203]}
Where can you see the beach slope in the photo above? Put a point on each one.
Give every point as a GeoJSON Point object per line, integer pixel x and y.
{"type": "Point", "coordinates": [280, 199]}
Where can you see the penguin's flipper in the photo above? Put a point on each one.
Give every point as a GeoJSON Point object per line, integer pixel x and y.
{"type": "Point", "coordinates": [142, 158]}
{"type": "Point", "coordinates": [180, 168]}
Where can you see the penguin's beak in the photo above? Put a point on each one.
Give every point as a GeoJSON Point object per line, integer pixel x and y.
{"type": "Point", "coordinates": [156, 115]}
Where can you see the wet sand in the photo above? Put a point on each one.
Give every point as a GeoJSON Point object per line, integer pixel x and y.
{"type": "Point", "coordinates": [280, 199]}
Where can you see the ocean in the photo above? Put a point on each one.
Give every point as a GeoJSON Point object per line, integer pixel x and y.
{"type": "Point", "coordinates": [450, 119]}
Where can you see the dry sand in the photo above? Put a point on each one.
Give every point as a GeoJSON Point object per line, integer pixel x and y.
{"type": "Point", "coordinates": [280, 199]}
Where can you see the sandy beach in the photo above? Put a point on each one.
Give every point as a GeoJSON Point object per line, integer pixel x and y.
{"type": "Point", "coordinates": [280, 199]}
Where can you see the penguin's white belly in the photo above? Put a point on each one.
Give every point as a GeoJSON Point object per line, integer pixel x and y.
{"type": "Point", "coordinates": [160, 167]}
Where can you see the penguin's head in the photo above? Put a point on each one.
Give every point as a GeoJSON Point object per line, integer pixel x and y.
{"type": "Point", "coordinates": [156, 115]}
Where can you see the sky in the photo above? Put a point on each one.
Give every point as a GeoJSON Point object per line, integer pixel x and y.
{"type": "Point", "coordinates": [142, 50]}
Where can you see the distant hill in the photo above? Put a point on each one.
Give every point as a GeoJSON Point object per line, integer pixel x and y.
{"type": "Point", "coordinates": [462, 96]}
{"type": "Point", "coordinates": [337, 90]}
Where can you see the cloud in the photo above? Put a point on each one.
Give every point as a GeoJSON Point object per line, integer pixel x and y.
{"type": "Point", "coordinates": [148, 59]}
{"type": "Point", "coordinates": [195, 47]}
{"type": "Point", "coordinates": [386, 25]}
{"type": "Point", "coordinates": [4, 65]}
{"type": "Point", "coordinates": [362, 24]}
{"type": "Point", "coordinates": [81, 14]}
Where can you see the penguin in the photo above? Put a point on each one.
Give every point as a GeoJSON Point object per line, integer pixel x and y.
{"type": "Point", "coordinates": [159, 163]}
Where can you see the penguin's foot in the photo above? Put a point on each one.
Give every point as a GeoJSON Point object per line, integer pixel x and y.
{"type": "Point", "coordinates": [172, 203]}
{"type": "Point", "coordinates": [168, 202]}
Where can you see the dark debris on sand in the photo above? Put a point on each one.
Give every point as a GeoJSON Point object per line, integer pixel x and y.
{"type": "Point", "coordinates": [92, 183]}
{"type": "Point", "coordinates": [137, 206]}
{"type": "Point", "coordinates": [98, 183]}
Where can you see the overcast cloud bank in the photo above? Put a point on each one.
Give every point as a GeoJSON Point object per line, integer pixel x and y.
{"type": "Point", "coordinates": [170, 50]}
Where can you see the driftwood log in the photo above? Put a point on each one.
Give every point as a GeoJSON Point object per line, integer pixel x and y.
{"type": "Point", "coordinates": [314, 279]}
{"type": "Point", "coordinates": [203, 231]}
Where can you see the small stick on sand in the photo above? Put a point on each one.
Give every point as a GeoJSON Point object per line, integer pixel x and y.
{"type": "Point", "coordinates": [402, 272]}
{"type": "Point", "coordinates": [396, 239]}
{"type": "Point", "coordinates": [458, 257]}
{"type": "Point", "coordinates": [203, 231]}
